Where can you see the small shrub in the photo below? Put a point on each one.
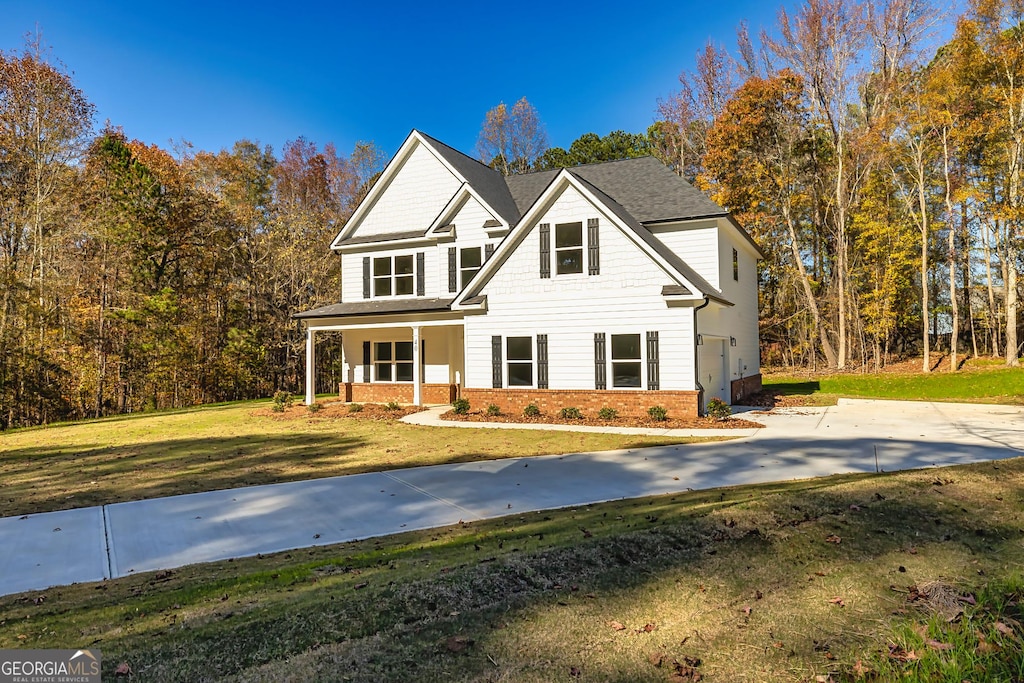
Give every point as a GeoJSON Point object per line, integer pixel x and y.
{"type": "Point", "coordinates": [570, 414]}
{"type": "Point", "coordinates": [355, 408]}
{"type": "Point", "coordinates": [391, 405]}
{"type": "Point", "coordinates": [460, 406]}
{"type": "Point", "coordinates": [277, 407]}
{"type": "Point", "coordinates": [314, 407]}
{"type": "Point", "coordinates": [657, 413]}
{"type": "Point", "coordinates": [607, 413]}
{"type": "Point", "coordinates": [718, 409]}
{"type": "Point", "coordinates": [531, 411]}
{"type": "Point", "coordinates": [493, 410]}
{"type": "Point", "coordinates": [282, 399]}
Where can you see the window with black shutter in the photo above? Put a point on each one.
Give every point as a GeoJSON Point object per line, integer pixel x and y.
{"type": "Point", "coordinates": [496, 361]}
{"type": "Point", "coordinates": [600, 365]}
{"type": "Point", "coordinates": [653, 382]}
{"type": "Point", "coordinates": [366, 277]}
{"type": "Point", "coordinates": [593, 247]}
{"type": "Point", "coordinates": [542, 361]}
{"type": "Point", "coordinates": [421, 277]}
{"type": "Point", "coordinates": [453, 269]}
{"type": "Point", "coordinates": [545, 250]}
{"type": "Point", "coordinates": [366, 361]}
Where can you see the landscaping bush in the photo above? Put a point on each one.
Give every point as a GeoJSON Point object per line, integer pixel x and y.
{"type": "Point", "coordinates": [607, 413]}
{"type": "Point", "coordinates": [531, 411]}
{"type": "Point", "coordinates": [460, 406]}
{"type": "Point", "coordinates": [657, 413]}
{"type": "Point", "coordinates": [282, 399]}
{"type": "Point", "coordinates": [355, 408]}
{"type": "Point", "coordinates": [718, 409]}
{"type": "Point", "coordinates": [314, 407]}
{"type": "Point", "coordinates": [493, 410]}
{"type": "Point", "coordinates": [570, 414]}
{"type": "Point", "coordinates": [391, 405]}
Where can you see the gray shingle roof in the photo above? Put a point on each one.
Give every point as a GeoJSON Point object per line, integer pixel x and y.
{"type": "Point", "coordinates": [376, 307]}
{"type": "Point", "coordinates": [488, 183]}
{"type": "Point", "coordinates": [644, 187]}
{"type": "Point", "coordinates": [383, 237]}
{"type": "Point", "coordinates": [655, 244]}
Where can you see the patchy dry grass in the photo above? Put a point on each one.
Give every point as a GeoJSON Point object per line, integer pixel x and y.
{"type": "Point", "coordinates": [780, 582]}
{"type": "Point", "coordinates": [242, 444]}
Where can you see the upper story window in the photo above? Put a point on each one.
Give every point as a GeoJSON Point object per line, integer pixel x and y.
{"type": "Point", "coordinates": [470, 260]}
{"type": "Point", "coordinates": [735, 265]}
{"type": "Point", "coordinates": [568, 248]}
{"type": "Point", "coordinates": [393, 275]}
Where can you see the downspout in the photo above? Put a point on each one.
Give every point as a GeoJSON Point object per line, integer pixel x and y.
{"type": "Point", "coordinates": [696, 357]}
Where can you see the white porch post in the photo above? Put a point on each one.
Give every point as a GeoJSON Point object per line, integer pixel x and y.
{"type": "Point", "coordinates": [310, 365]}
{"type": "Point", "coordinates": [417, 378]}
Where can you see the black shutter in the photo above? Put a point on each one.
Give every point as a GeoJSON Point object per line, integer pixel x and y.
{"type": "Point", "coordinates": [652, 361]}
{"type": "Point", "coordinates": [496, 361]}
{"type": "Point", "coordinates": [488, 252]}
{"type": "Point", "coordinates": [366, 361]}
{"type": "Point", "coordinates": [600, 367]}
{"type": "Point", "coordinates": [542, 361]}
{"type": "Point", "coordinates": [366, 277]}
{"type": "Point", "coordinates": [545, 250]}
{"type": "Point", "coordinates": [593, 246]}
{"type": "Point", "coordinates": [453, 269]}
{"type": "Point", "coordinates": [421, 276]}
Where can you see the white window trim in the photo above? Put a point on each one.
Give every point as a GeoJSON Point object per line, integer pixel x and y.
{"type": "Point", "coordinates": [555, 249]}
{"type": "Point", "coordinates": [393, 362]}
{"type": "Point", "coordinates": [533, 361]}
{"type": "Point", "coordinates": [463, 279]}
{"type": "Point", "coordinates": [610, 361]}
{"type": "Point", "coordinates": [391, 277]}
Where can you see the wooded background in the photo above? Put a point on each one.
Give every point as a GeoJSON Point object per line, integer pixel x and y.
{"type": "Point", "coordinates": [880, 171]}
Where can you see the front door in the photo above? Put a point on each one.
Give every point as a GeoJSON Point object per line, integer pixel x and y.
{"type": "Point", "coordinates": [712, 368]}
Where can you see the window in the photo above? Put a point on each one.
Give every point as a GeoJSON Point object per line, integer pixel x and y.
{"type": "Point", "coordinates": [568, 248]}
{"type": "Point", "coordinates": [470, 261]}
{"type": "Point", "coordinates": [626, 360]}
{"type": "Point", "coordinates": [735, 265]}
{"type": "Point", "coordinates": [519, 353]}
{"type": "Point", "coordinates": [393, 275]}
{"type": "Point", "coordinates": [392, 361]}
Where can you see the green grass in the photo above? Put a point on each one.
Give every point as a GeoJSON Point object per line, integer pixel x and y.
{"type": "Point", "coordinates": [148, 455]}
{"type": "Point", "coordinates": [738, 584]}
{"type": "Point", "coordinates": [979, 384]}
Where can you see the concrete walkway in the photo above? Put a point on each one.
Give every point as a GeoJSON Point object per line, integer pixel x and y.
{"type": "Point", "coordinates": [92, 544]}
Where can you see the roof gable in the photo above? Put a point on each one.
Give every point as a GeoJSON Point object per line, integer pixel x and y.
{"type": "Point", "coordinates": [661, 255]}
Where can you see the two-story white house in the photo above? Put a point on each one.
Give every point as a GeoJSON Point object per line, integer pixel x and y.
{"type": "Point", "coordinates": [615, 284]}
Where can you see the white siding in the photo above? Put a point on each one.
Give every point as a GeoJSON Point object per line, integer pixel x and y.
{"type": "Point", "coordinates": [698, 247]}
{"type": "Point", "coordinates": [624, 298]}
{"type": "Point", "coordinates": [352, 273]}
{"type": "Point", "coordinates": [738, 321]}
{"type": "Point", "coordinates": [469, 232]}
{"type": "Point", "coordinates": [417, 193]}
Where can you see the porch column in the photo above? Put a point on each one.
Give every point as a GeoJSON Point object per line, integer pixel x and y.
{"type": "Point", "coordinates": [417, 378]}
{"type": "Point", "coordinates": [310, 365]}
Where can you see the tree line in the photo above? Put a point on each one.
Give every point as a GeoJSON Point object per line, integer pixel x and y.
{"type": "Point", "coordinates": [132, 277]}
{"type": "Point", "coordinates": [882, 173]}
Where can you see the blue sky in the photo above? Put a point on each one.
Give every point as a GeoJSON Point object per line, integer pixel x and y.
{"type": "Point", "coordinates": [212, 73]}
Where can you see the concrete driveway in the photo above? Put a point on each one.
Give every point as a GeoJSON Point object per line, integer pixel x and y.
{"type": "Point", "coordinates": [92, 544]}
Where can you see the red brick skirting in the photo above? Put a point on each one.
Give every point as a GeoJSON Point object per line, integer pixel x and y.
{"type": "Point", "coordinates": [399, 393]}
{"type": "Point", "coordinates": [551, 401]}
{"type": "Point", "coordinates": [741, 388]}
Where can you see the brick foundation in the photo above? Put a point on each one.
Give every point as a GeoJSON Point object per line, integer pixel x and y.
{"type": "Point", "coordinates": [550, 401]}
{"type": "Point", "coordinates": [741, 388]}
{"type": "Point", "coordinates": [381, 392]}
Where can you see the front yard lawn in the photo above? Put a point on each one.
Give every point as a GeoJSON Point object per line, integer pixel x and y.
{"type": "Point", "coordinates": [907, 576]}
{"type": "Point", "coordinates": [242, 444]}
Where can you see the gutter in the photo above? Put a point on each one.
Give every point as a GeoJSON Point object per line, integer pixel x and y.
{"type": "Point", "coordinates": [696, 356]}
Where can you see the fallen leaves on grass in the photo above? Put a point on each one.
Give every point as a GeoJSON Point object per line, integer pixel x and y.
{"type": "Point", "coordinates": [837, 601]}
{"type": "Point", "coordinates": [832, 538]}
{"type": "Point", "coordinates": [616, 625]}
{"type": "Point", "coordinates": [458, 643]}
{"type": "Point", "coordinates": [900, 654]}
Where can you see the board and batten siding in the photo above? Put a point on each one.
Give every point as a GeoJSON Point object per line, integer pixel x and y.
{"type": "Point", "coordinates": [625, 298]}
{"type": "Point", "coordinates": [416, 195]}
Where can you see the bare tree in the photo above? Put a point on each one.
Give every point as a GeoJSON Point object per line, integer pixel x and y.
{"type": "Point", "coordinates": [511, 141]}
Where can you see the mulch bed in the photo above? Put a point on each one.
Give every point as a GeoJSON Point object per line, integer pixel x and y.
{"type": "Point", "coordinates": [671, 423]}
{"type": "Point", "coordinates": [339, 410]}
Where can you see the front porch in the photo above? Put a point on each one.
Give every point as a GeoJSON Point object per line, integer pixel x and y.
{"type": "Point", "coordinates": [413, 358]}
